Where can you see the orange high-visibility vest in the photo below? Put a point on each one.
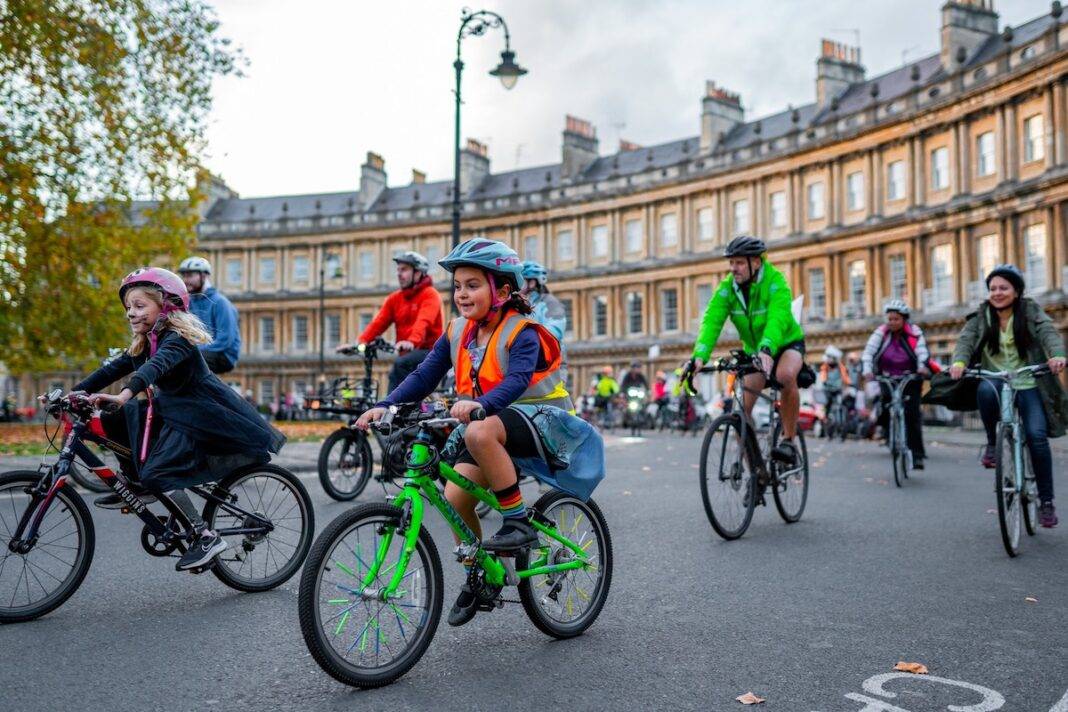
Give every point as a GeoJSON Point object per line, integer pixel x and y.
{"type": "Point", "coordinates": [546, 386]}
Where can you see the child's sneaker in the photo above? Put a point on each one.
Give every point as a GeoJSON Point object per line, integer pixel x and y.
{"type": "Point", "coordinates": [207, 546]}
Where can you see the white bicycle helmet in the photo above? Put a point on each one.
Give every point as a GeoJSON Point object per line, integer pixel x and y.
{"type": "Point", "coordinates": [897, 305]}
{"type": "Point", "coordinates": [833, 352]}
{"type": "Point", "coordinates": [195, 264]}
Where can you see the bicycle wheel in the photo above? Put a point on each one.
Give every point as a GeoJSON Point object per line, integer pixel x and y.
{"type": "Point", "coordinates": [262, 561]}
{"type": "Point", "coordinates": [1009, 514]}
{"type": "Point", "coordinates": [897, 453]}
{"type": "Point", "coordinates": [565, 604]}
{"type": "Point", "coordinates": [39, 581]}
{"type": "Point", "coordinates": [791, 487]}
{"type": "Point", "coordinates": [728, 488]}
{"type": "Point", "coordinates": [362, 641]}
{"type": "Point", "coordinates": [1030, 496]}
{"type": "Point", "coordinates": [345, 464]}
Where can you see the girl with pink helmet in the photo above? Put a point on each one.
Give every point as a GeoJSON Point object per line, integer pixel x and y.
{"type": "Point", "coordinates": [190, 428]}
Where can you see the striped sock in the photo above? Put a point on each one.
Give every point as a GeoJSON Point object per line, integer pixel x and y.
{"type": "Point", "coordinates": [511, 501]}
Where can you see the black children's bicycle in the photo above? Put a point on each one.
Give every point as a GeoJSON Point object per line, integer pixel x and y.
{"type": "Point", "coordinates": [47, 536]}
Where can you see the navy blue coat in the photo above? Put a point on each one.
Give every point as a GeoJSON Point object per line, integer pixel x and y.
{"type": "Point", "coordinates": [206, 429]}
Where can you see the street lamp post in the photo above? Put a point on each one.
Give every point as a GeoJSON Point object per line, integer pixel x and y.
{"type": "Point", "coordinates": [327, 256]}
{"type": "Point", "coordinates": [475, 24]}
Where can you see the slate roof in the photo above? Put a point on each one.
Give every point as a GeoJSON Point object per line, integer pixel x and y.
{"type": "Point", "coordinates": [858, 97]}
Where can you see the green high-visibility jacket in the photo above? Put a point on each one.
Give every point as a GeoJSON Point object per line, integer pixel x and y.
{"type": "Point", "coordinates": [766, 321]}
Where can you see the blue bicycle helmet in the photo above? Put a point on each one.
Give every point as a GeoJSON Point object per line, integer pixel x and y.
{"type": "Point", "coordinates": [493, 256]}
{"type": "Point", "coordinates": [535, 270]}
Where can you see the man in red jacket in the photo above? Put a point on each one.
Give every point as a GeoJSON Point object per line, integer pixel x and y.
{"type": "Point", "coordinates": [415, 309]}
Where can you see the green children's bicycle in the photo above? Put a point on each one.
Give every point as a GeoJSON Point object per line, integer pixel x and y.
{"type": "Point", "coordinates": [371, 592]}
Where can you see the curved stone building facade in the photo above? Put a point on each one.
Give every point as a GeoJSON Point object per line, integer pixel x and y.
{"type": "Point", "coordinates": [909, 184]}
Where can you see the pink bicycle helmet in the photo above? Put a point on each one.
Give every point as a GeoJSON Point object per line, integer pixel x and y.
{"type": "Point", "coordinates": [175, 295]}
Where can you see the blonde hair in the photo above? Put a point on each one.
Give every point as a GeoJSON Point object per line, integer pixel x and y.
{"type": "Point", "coordinates": [185, 324]}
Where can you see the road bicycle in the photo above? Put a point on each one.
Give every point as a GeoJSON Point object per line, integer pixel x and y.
{"type": "Point", "coordinates": [736, 467]}
{"type": "Point", "coordinates": [371, 594]}
{"type": "Point", "coordinates": [1014, 478]}
{"type": "Point", "coordinates": [346, 461]}
{"type": "Point", "coordinates": [48, 538]}
{"type": "Point", "coordinates": [896, 440]}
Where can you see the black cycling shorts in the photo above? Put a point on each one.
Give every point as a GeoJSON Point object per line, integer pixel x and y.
{"type": "Point", "coordinates": [518, 437]}
{"type": "Point", "coordinates": [798, 346]}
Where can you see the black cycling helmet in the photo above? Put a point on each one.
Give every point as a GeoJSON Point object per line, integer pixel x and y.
{"type": "Point", "coordinates": [745, 246]}
{"type": "Point", "coordinates": [1010, 273]}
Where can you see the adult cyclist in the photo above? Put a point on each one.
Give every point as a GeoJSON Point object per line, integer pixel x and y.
{"type": "Point", "coordinates": [548, 310]}
{"type": "Point", "coordinates": [898, 348]}
{"type": "Point", "coordinates": [758, 301]}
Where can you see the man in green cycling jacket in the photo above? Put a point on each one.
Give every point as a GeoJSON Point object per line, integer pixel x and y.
{"type": "Point", "coordinates": [758, 301]}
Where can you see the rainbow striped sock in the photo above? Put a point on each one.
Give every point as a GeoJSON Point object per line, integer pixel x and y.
{"type": "Point", "coordinates": [511, 501]}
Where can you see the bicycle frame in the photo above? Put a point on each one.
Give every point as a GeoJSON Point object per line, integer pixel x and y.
{"type": "Point", "coordinates": [424, 465]}
{"type": "Point", "coordinates": [79, 430]}
{"type": "Point", "coordinates": [896, 426]}
{"type": "Point", "coordinates": [1010, 417]}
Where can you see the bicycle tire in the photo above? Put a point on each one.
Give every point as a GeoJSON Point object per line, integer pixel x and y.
{"type": "Point", "coordinates": [311, 625]}
{"type": "Point", "coordinates": [897, 459]}
{"type": "Point", "coordinates": [531, 599]}
{"type": "Point", "coordinates": [791, 516]}
{"type": "Point", "coordinates": [83, 558]}
{"type": "Point", "coordinates": [1009, 514]}
{"type": "Point", "coordinates": [741, 478]}
{"type": "Point", "coordinates": [366, 461]}
{"type": "Point", "coordinates": [300, 550]}
{"type": "Point", "coordinates": [1030, 496]}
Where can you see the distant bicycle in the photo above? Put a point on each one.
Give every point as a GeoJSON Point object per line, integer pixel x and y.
{"type": "Point", "coordinates": [736, 468]}
{"type": "Point", "coordinates": [1014, 479]}
{"type": "Point", "coordinates": [900, 454]}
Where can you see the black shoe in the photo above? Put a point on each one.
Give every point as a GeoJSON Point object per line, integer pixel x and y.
{"type": "Point", "coordinates": [917, 463]}
{"type": "Point", "coordinates": [203, 550]}
{"type": "Point", "coordinates": [515, 534]}
{"type": "Point", "coordinates": [786, 453]}
{"type": "Point", "coordinates": [465, 608]}
{"type": "Point", "coordinates": [114, 501]}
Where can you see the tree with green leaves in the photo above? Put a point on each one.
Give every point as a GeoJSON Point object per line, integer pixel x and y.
{"type": "Point", "coordinates": [103, 108]}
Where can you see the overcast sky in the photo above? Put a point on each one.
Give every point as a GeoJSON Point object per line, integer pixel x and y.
{"type": "Point", "coordinates": [329, 80]}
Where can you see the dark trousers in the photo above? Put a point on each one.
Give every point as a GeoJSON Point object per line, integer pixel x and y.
{"type": "Point", "coordinates": [217, 362]}
{"type": "Point", "coordinates": [405, 365]}
{"type": "Point", "coordinates": [1035, 426]}
{"type": "Point", "coordinates": [117, 429]}
{"type": "Point", "coordinates": [913, 417]}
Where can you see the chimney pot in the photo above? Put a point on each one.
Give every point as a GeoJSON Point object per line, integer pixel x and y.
{"type": "Point", "coordinates": [418, 176]}
{"type": "Point", "coordinates": [580, 146]}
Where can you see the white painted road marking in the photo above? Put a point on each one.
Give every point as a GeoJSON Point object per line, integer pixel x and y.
{"type": "Point", "coordinates": [992, 700]}
{"type": "Point", "coordinates": [1061, 706]}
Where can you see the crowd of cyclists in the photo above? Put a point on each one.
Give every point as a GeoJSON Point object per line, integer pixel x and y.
{"type": "Point", "coordinates": [177, 426]}
{"type": "Point", "coordinates": [530, 365]}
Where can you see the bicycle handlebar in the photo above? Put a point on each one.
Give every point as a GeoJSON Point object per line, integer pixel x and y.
{"type": "Point", "coordinates": [369, 350]}
{"type": "Point", "coordinates": [1038, 369]}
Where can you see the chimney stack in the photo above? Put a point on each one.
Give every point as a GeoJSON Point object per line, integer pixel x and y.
{"type": "Point", "coordinates": [418, 177]}
{"type": "Point", "coordinates": [372, 179]}
{"type": "Point", "coordinates": [966, 24]}
{"type": "Point", "coordinates": [721, 111]}
{"type": "Point", "coordinates": [579, 148]}
{"type": "Point", "coordinates": [837, 68]}
{"type": "Point", "coordinates": [474, 165]}
{"type": "Point", "coordinates": [625, 145]}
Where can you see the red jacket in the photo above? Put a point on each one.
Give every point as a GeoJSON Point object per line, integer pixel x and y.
{"type": "Point", "coordinates": [416, 313]}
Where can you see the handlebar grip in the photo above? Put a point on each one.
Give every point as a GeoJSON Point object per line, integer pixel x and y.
{"type": "Point", "coordinates": [479, 414]}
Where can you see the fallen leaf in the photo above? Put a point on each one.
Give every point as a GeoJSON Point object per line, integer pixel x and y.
{"type": "Point", "coordinates": [1031, 599]}
{"type": "Point", "coordinates": [991, 511]}
{"type": "Point", "coordinates": [626, 493]}
{"type": "Point", "coordinates": [749, 699]}
{"type": "Point", "coordinates": [646, 468]}
{"type": "Point", "coordinates": [915, 668]}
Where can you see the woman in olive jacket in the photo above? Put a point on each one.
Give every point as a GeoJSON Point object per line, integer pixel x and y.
{"type": "Point", "coordinates": [1008, 332]}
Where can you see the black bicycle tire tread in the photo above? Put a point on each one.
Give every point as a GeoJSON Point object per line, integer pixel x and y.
{"type": "Point", "coordinates": [323, 465]}
{"type": "Point", "coordinates": [735, 420]}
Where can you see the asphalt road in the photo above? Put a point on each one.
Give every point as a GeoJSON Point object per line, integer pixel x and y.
{"type": "Point", "coordinates": [806, 616]}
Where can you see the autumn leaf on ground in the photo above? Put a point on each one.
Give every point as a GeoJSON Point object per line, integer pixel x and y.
{"type": "Point", "coordinates": [915, 668]}
{"type": "Point", "coordinates": [749, 699]}
{"type": "Point", "coordinates": [1031, 599]}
